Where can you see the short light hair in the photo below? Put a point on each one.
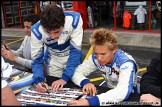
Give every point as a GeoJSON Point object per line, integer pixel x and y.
{"type": "Point", "coordinates": [103, 36]}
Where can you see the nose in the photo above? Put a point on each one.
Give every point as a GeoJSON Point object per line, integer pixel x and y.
{"type": "Point", "coordinates": [25, 28]}
{"type": "Point", "coordinates": [53, 36]}
{"type": "Point", "coordinates": [99, 57]}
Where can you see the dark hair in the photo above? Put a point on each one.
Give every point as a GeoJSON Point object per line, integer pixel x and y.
{"type": "Point", "coordinates": [52, 17]}
{"type": "Point", "coordinates": [31, 18]}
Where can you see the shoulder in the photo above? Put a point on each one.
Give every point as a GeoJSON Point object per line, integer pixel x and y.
{"type": "Point", "coordinates": [74, 17]}
{"type": "Point", "coordinates": [155, 64]}
{"type": "Point", "coordinates": [122, 57]}
{"type": "Point", "coordinates": [36, 30]}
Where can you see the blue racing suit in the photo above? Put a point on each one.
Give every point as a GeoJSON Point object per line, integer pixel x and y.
{"type": "Point", "coordinates": [119, 76]}
{"type": "Point", "coordinates": [62, 55]}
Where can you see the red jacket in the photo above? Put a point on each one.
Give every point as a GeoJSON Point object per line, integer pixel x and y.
{"type": "Point", "coordinates": [126, 19]}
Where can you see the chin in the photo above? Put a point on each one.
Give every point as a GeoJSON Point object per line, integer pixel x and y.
{"type": "Point", "coordinates": [102, 64]}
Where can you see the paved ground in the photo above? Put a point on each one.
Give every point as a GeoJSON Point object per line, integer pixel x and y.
{"type": "Point", "coordinates": [141, 39]}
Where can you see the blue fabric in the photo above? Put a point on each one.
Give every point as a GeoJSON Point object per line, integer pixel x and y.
{"type": "Point", "coordinates": [22, 82]}
{"type": "Point", "coordinates": [37, 67]}
{"type": "Point", "coordinates": [83, 82]}
{"type": "Point", "coordinates": [76, 17]}
{"type": "Point", "coordinates": [93, 101]}
{"type": "Point", "coordinates": [74, 60]}
{"type": "Point", "coordinates": [35, 30]}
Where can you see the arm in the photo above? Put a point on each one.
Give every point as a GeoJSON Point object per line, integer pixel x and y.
{"type": "Point", "coordinates": [150, 99]}
{"type": "Point", "coordinates": [75, 56]}
{"type": "Point", "coordinates": [19, 52]}
{"type": "Point", "coordinates": [121, 91]}
{"type": "Point", "coordinates": [37, 54]}
{"type": "Point", "coordinates": [8, 97]}
{"type": "Point", "coordinates": [13, 55]}
{"type": "Point", "coordinates": [21, 59]}
{"type": "Point", "coordinates": [150, 82]}
{"type": "Point", "coordinates": [136, 12]}
{"type": "Point", "coordinates": [24, 62]}
{"type": "Point", "coordinates": [83, 70]}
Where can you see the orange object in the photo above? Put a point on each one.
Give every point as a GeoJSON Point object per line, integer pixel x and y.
{"type": "Point", "coordinates": [126, 19]}
{"type": "Point", "coordinates": [80, 6]}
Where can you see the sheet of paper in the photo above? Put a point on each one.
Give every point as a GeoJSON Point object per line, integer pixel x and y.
{"type": "Point", "coordinates": [59, 98]}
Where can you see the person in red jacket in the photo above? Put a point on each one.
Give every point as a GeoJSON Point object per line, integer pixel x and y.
{"type": "Point", "coordinates": [126, 19]}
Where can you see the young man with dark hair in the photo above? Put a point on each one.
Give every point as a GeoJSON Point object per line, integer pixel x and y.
{"type": "Point", "coordinates": [56, 40]}
{"type": "Point", "coordinates": [22, 56]}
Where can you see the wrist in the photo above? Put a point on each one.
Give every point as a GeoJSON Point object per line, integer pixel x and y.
{"type": "Point", "coordinates": [14, 58]}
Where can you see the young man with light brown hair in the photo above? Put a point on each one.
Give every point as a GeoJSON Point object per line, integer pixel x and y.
{"type": "Point", "coordinates": [117, 67]}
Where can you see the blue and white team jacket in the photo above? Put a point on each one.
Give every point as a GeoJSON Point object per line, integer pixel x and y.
{"type": "Point", "coordinates": [119, 75]}
{"type": "Point", "coordinates": [61, 55]}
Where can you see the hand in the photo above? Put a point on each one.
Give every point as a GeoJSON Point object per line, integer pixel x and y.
{"type": "Point", "coordinates": [58, 83]}
{"type": "Point", "coordinates": [89, 88]}
{"type": "Point", "coordinates": [40, 88]}
{"type": "Point", "coordinates": [5, 46]}
{"type": "Point", "coordinates": [80, 102]}
{"type": "Point", "coordinates": [150, 99]}
{"type": "Point", "coordinates": [8, 54]}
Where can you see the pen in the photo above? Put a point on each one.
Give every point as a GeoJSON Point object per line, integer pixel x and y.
{"type": "Point", "coordinates": [79, 97]}
{"type": "Point", "coordinates": [43, 85]}
{"type": "Point", "coordinates": [4, 43]}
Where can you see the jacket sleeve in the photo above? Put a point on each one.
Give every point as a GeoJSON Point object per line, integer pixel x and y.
{"type": "Point", "coordinates": [75, 56]}
{"type": "Point", "coordinates": [82, 71]}
{"type": "Point", "coordinates": [19, 53]}
{"type": "Point", "coordinates": [151, 80]}
{"type": "Point", "coordinates": [123, 89]}
{"type": "Point", "coordinates": [37, 54]}
{"type": "Point", "coordinates": [24, 62]}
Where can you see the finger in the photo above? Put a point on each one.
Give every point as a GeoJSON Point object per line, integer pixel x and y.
{"type": "Point", "coordinates": [61, 86]}
{"type": "Point", "coordinates": [57, 87]}
{"type": "Point", "coordinates": [46, 86]}
{"type": "Point", "coordinates": [54, 87]}
{"type": "Point", "coordinates": [3, 47]}
{"type": "Point", "coordinates": [141, 99]}
{"type": "Point", "coordinates": [90, 91]}
{"type": "Point", "coordinates": [7, 47]}
{"type": "Point", "coordinates": [71, 103]}
{"type": "Point", "coordinates": [37, 88]}
{"type": "Point", "coordinates": [41, 88]}
{"type": "Point", "coordinates": [94, 91]}
{"type": "Point", "coordinates": [84, 90]}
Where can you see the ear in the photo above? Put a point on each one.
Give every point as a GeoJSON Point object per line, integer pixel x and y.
{"type": "Point", "coordinates": [114, 50]}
